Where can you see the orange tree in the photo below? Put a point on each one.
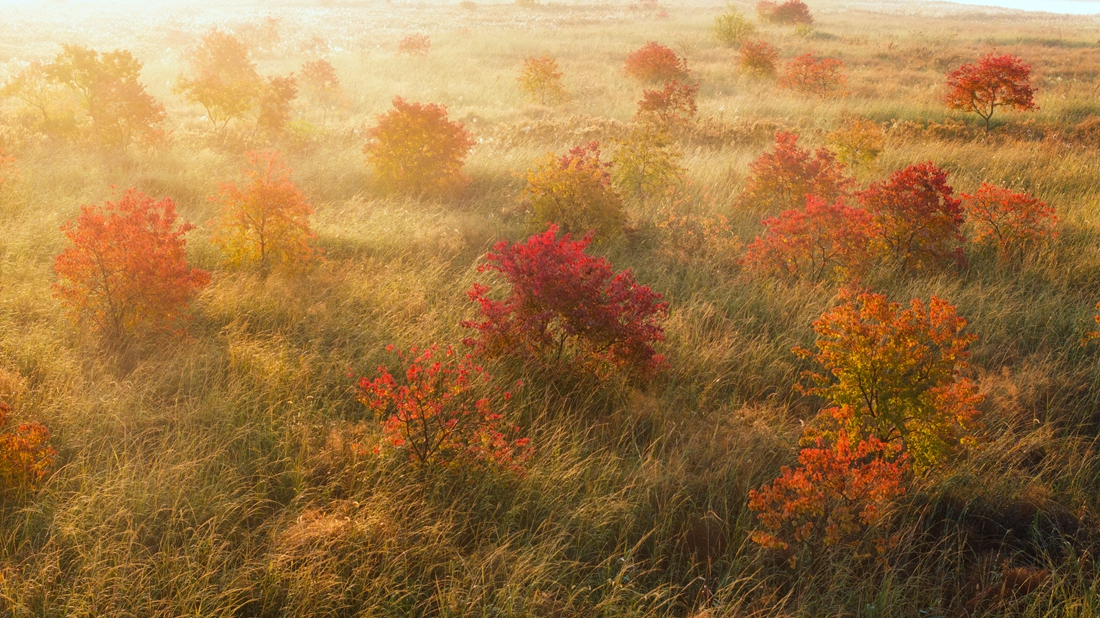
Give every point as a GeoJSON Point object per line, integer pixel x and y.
{"type": "Point", "coordinates": [267, 221]}
{"type": "Point", "coordinates": [916, 217]}
{"type": "Point", "coordinates": [224, 80]}
{"type": "Point", "coordinates": [574, 191]}
{"type": "Point", "coordinates": [821, 241]}
{"type": "Point", "coordinates": [274, 104]}
{"type": "Point", "coordinates": [438, 411]}
{"type": "Point", "coordinates": [673, 105]}
{"type": "Point", "coordinates": [1012, 223]}
{"type": "Point", "coordinates": [540, 80]}
{"type": "Point", "coordinates": [321, 85]}
{"type": "Point", "coordinates": [758, 57]}
{"type": "Point", "coordinates": [995, 81]}
{"type": "Point", "coordinates": [25, 453]}
{"type": "Point", "coordinates": [567, 310]}
{"type": "Point", "coordinates": [782, 178]}
{"type": "Point", "coordinates": [655, 63]}
{"type": "Point", "coordinates": [125, 271]}
{"type": "Point", "coordinates": [415, 149]}
{"type": "Point", "coordinates": [808, 74]}
{"type": "Point", "coordinates": [107, 84]}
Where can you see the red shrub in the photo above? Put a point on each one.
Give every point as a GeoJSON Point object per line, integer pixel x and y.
{"type": "Point", "coordinates": [759, 57]}
{"type": "Point", "coordinates": [25, 453]}
{"type": "Point", "coordinates": [674, 105]}
{"type": "Point", "coordinates": [996, 81]}
{"type": "Point", "coordinates": [836, 491]}
{"type": "Point", "coordinates": [126, 269]}
{"type": "Point", "coordinates": [917, 218]}
{"type": "Point", "coordinates": [820, 242]}
{"type": "Point", "coordinates": [792, 12]}
{"type": "Point", "coordinates": [656, 63]}
{"type": "Point", "coordinates": [781, 179]}
{"type": "Point", "coordinates": [808, 74]}
{"type": "Point", "coordinates": [415, 45]}
{"type": "Point", "coordinates": [1010, 222]}
{"type": "Point", "coordinates": [437, 413]}
{"type": "Point", "coordinates": [415, 149]}
{"type": "Point", "coordinates": [566, 308]}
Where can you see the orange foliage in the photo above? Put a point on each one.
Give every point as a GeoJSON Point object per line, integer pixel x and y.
{"type": "Point", "coordinates": [674, 105]}
{"type": "Point", "coordinates": [759, 57]}
{"type": "Point", "coordinates": [322, 86]}
{"type": "Point", "coordinates": [224, 80]}
{"type": "Point", "coordinates": [996, 81]}
{"type": "Point", "coordinates": [808, 74]}
{"type": "Point", "coordinates": [896, 374]}
{"type": "Point", "coordinates": [274, 104]}
{"type": "Point", "coordinates": [822, 241]}
{"type": "Point", "coordinates": [917, 218]}
{"type": "Point", "coordinates": [782, 179]}
{"type": "Point", "coordinates": [266, 222]}
{"type": "Point", "coordinates": [1012, 223]}
{"type": "Point", "coordinates": [540, 79]}
{"type": "Point", "coordinates": [791, 12]}
{"type": "Point", "coordinates": [25, 453]}
{"type": "Point", "coordinates": [574, 191]}
{"type": "Point", "coordinates": [415, 45]}
{"type": "Point", "coordinates": [656, 63]}
{"type": "Point", "coordinates": [415, 149]}
{"type": "Point", "coordinates": [125, 270]}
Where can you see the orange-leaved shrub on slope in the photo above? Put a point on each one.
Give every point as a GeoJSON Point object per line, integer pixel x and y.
{"type": "Point", "coordinates": [655, 63]}
{"type": "Point", "coordinates": [781, 179]}
{"type": "Point", "coordinates": [1010, 222]}
{"type": "Point", "coordinates": [25, 453]}
{"type": "Point", "coordinates": [808, 74]}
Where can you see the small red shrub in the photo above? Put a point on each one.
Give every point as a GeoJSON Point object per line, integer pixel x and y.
{"type": "Point", "coordinates": [674, 105]}
{"type": "Point", "coordinates": [436, 411]}
{"type": "Point", "coordinates": [654, 63]}
{"type": "Point", "coordinates": [917, 218]}
{"type": "Point", "coordinates": [822, 241]}
{"type": "Point", "coordinates": [567, 308]}
{"type": "Point", "coordinates": [792, 12]}
{"type": "Point", "coordinates": [781, 179]}
{"type": "Point", "coordinates": [415, 45]}
{"type": "Point", "coordinates": [759, 57]}
{"type": "Point", "coordinates": [996, 81]}
{"type": "Point", "coordinates": [808, 74]}
{"type": "Point", "coordinates": [415, 149]}
{"type": "Point", "coordinates": [1010, 222]}
{"type": "Point", "coordinates": [25, 453]}
{"type": "Point", "coordinates": [126, 270]}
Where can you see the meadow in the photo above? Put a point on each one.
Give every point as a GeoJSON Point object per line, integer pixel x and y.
{"type": "Point", "coordinates": [217, 473]}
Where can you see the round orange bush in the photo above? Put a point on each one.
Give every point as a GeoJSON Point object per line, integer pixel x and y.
{"type": "Point", "coordinates": [655, 63]}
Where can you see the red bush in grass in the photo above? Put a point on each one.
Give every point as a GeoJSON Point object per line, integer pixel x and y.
{"type": "Point", "coordinates": [655, 63]}
{"type": "Point", "coordinates": [781, 179]}
{"type": "Point", "coordinates": [1012, 223]}
{"type": "Point", "coordinates": [673, 105]}
{"type": "Point", "coordinates": [25, 453]}
{"type": "Point", "coordinates": [808, 74]}
{"type": "Point", "coordinates": [758, 57]}
{"type": "Point", "coordinates": [792, 12]}
{"type": "Point", "coordinates": [415, 45]}
{"type": "Point", "coordinates": [567, 308]}
{"type": "Point", "coordinates": [995, 81]}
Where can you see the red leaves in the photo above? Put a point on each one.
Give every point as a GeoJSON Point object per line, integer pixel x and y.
{"type": "Point", "coordinates": [567, 309]}
{"type": "Point", "coordinates": [782, 179]}
{"type": "Point", "coordinates": [435, 411]}
{"type": "Point", "coordinates": [126, 270]}
{"type": "Point", "coordinates": [673, 105]}
{"type": "Point", "coordinates": [655, 63]}
{"type": "Point", "coordinates": [415, 44]}
{"type": "Point", "coordinates": [415, 149]}
{"type": "Point", "coordinates": [1010, 222]}
{"type": "Point", "coordinates": [822, 241]}
{"type": "Point", "coordinates": [758, 57]}
{"type": "Point", "coordinates": [791, 12]}
{"type": "Point", "coordinates": [25, 453]}
{"type": "Point", "coordinates": [808, 74]}
{"type": "Point", "coordinates": [995, 81]}
{"type": "Point", "coordinates": [917, 218]}
{"type": "Point", "coordinates": [266, 222]}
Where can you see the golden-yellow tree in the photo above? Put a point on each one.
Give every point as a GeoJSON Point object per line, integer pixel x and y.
{"type": "Point", "coordinates": [223, 78]}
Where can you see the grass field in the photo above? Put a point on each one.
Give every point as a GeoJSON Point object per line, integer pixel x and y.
{"type": "Point", "coordinates": [209, 475]}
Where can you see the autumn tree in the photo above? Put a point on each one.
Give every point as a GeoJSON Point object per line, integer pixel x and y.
{"type": "Point", "coordinates": [781, 179]}
{"type": "Point", "coordinates": [567, 310]}
{"type": "Point", "coordinates": [26, 456]}
{"type": "Point", "coordinates": [655, 63]}
{"type": "Point", "coordinates": [265, 222]}
{"type": "Point", "coordinates": [223, 78]}
{"type": "Point", "coordinates": [574, 191]}
{"type": "Point", "coordinates": [125, 271]}
{"type": "Point", "coordinates": [758, 58]}
{"type": "Point", "coordinates": [857, 140]}
{"type": "Point", "coordinates": [275, 104]}
{"type": "Point", "coordinates": [108, 87]}
{"type": "Point", "coordinates": [1011, 223]}
{"type": "Point", "coordinates": [415, 149]}
{"type": "Point", "coordinates": [53, 106]}
{"type": "Point", "coordinates": [646, 161]}
{"type": "Point", "coordinates": [995, 81]}
{"type": "Point", "coordinates": [540, 80]}
{"type": "Point", "coordinates": [674, 105]}
{"type": "Point", "coordinates": [791, 12]}
{"type": "Point", "coordinates": [415, 45]}
{"type": "Point", "coordinates": [821, 241]}
{"type": "Point", "coordinates": [440, 411]}
{"type": "Point", "coordinates": [917, 218]}
{"type": "Point", "coordinates": [896, 374]}
{"type": "Point", "coordinates": [731, 28]}
{"type": "Point", "coordinates": [808, 74]}
{"type": "Point", "coordinates": [320, 84]}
